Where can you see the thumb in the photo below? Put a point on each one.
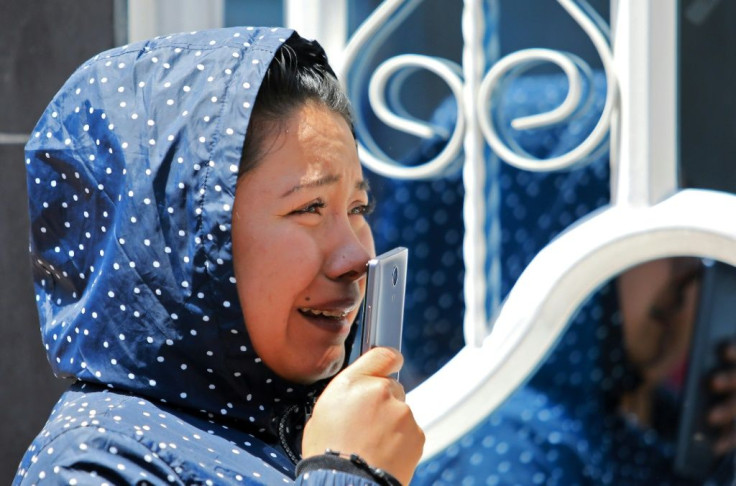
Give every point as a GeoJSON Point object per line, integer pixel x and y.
{"type": "Point", "coordinates": [379, 361]}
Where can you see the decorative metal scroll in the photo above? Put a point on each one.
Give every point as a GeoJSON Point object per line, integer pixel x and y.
{"type": "Point", "coordinates": [648, 217]}
{"type": "Point", "coordinates": [472, 87]}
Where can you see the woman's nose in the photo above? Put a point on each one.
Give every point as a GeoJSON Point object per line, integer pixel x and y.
{"type": "Point", "coordinates": [349, 254]}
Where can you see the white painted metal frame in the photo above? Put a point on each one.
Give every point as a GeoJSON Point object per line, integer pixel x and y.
{"type": "Point", "coordinates": [150, 18]}
{"type": "Point", "coordinates": [648, 217]}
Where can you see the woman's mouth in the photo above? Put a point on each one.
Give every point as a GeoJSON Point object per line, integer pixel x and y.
{"type": "Point", "coordinates": [332, 320]}
{"type": "Point", "coordinates": [326, 313]}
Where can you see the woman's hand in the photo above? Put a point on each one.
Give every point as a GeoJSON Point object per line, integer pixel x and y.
{"type": "Point", "coordinates": [362, 411]}
{"type": "Point", "coordinates": [723, 414]}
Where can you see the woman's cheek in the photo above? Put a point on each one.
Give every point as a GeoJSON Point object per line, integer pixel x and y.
{"type": "Point", "coordinates": [365, 235]}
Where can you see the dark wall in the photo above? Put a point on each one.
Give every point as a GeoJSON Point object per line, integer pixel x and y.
{"type": "Point", "coordinates": [42, 42]}
{"type": "Point", "coordinates": [707, 94]}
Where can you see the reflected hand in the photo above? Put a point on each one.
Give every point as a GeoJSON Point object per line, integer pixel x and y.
{"type": "Point", "coordinates": [362, 411]}
{"type": "Point", "coordinates": [722, 414]}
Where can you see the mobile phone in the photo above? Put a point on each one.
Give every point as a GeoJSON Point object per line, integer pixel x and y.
{"type": "Point", "coordinates": [715, 325]}
{"type": "Point", "coordinates": [383, 307]}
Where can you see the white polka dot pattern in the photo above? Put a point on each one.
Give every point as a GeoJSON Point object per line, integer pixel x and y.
{"type": "Point", "coordinates": [101, 437]}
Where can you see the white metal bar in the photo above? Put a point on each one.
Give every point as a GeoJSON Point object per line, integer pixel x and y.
{"type": "Point", "coordinates": [325, 20]}
{"type": "Point", "coordinates": [644, 139]}
{"type": "Point", "coordinates": [150, 18]}
{"type": "Point", "coordinates": [474, 177]}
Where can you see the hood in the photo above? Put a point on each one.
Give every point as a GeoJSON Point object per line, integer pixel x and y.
{"type": "Point", "coordinates": [131, 178]}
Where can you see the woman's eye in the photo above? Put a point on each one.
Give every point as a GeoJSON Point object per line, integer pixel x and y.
{"type": "Point", "coordinates": [363, 209]}
{"type": "Point", "coordinates": [311, 208]}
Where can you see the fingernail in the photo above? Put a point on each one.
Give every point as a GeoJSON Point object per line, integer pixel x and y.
{"type": "Point", "coordinates": [720, 381]}
{"type": "Point", "coordinates": [715, 416]}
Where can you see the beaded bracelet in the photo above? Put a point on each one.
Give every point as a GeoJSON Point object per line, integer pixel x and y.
{"type": "Point", "coordinates": [381, 476]}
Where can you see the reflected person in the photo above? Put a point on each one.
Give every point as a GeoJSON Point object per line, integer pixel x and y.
{"type": "Point", "coordinates": [659, 301]}
{"type": "Point", "coordinates": [602, 409]}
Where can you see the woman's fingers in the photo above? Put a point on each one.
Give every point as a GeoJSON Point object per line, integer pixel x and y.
{"type": "Point", "coordinates": [380, 361]}
{"type": "Point", "coordinates": [723, 413]}
{"type": "Point", "coordinates": [397, 389]}
{"type": "Point", "coordinates": [728, 353]}
{"type": "Point", "coordinates": [363, 411]}
{"type": "Point", "coordinates": [726, 442]}
{"type": "Point", "coordinates": [724, 382]}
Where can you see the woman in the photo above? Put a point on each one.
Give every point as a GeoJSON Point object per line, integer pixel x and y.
{"type": "Point", "coordinates": [201, 302]}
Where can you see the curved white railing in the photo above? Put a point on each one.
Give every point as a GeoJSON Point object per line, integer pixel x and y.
{"type": "Point", "coordinates": [470, 386]}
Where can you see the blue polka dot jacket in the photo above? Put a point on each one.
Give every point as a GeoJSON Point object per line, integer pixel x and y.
{"type": "Point", "coordinates": [131, 179]}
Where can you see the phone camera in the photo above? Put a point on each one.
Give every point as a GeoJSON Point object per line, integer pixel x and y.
{"type": "Point", "coordinates": [395, 275]}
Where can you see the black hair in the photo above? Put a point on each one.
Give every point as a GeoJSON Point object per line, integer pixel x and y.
{"type": "Point", "coordinates": [299, 73]}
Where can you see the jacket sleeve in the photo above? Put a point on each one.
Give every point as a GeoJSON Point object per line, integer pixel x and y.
{"type": "Point", "coordinates": [334, 470]}
{"type": "Point", "coordinates": [93, 456]}
{"type": "Point", "coordinates": [332, 477]}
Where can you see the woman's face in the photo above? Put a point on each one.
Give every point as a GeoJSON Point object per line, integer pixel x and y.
{"type": "Point", "coordinates": [658, 303]}
{"type": "Point", "coordinates": [301, 243]}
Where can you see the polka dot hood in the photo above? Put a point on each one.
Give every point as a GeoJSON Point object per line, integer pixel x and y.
{"type": "Point", "coordinates": [131, 177]}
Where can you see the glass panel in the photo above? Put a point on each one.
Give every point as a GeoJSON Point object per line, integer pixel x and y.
{"type": "Point", "coordinates": [606, 405]}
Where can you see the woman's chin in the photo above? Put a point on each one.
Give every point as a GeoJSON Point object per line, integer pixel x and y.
{"type": "Point", "coordinates": [328, 371]}
{"type": "Point", "coordinates": [325, 368]}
